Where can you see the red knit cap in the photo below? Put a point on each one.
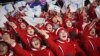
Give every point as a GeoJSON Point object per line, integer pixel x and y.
{"type": "Point", "coordinates": [36, 36]}
{"type": "Point", "coordinates": [29, 26]}
{"type": "Point", "coordinates": [48, 22]}
{"type": "Point", "coordinates": [68, 19]}
{"type": "Point", "coordinates": [58, 30]}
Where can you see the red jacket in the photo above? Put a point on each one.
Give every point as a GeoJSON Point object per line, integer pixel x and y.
{"type": "Point", "coordinates": [64, 48]}
{"type": "Point", "coordinates": [9, 54]}
{"type": "Point", "coordinates": [24, 38]}
{"type": "Point", "coordinates": [6, 55]}
{"type": "Point", "coordinates": [90, 44]}
{"type": "Point", "coordinates": [34, 52]}
{"type": "Point", "coordinates": [79, 21]}
{"type": "Point", "coordinates": [91, 12]}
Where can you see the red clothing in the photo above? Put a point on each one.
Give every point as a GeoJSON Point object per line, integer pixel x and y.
{"type": "Point", "coordinates": [69, 29]}
{"type": "Point", "coordinates": [90, 44]}
{"type": "Point", "coordinates": [25, 38]}
{"type": "Point", "coordinates": [52, 36]}
{"type": "Point", "coordinates": [1, 33]}
{"type": "Point", "coordinates": [64, 18]}
{"type": "Point", "coordinates": [9, 54]}
{"type": "Point", "coordinates": [73, 32]}
{"type": "Point", "coordinates": [22, 33]}
{"type": "Point", "coordinates": [79, 21]}
{"type": "Point", "coordinates": [17, 21]}
{"type": "Point", "coordinates": [64, 48]}
{"type": "Point", "coordinates": [91, 12]}
{"type": "Point", "coordinates": [34, 52]}
{"type": "Point", "coordinates": [6, 55]}
{"type": "Point", "coordinates": [98, 28]}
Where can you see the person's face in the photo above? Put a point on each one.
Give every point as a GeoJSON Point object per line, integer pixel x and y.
{"type": "Point", "coordinates": [36, 43]}
{"type": "Point", "coordinates": [54, 20]}
{"type": "Point", "coordinates": [20, 20]}
{"type": "Point", "coordinates": [63, 35]}
{"type": "Point", "coordinates": [94, 3]}
{"type": "Point", "coordinates": [85, 16]}
{"type": "Point", "coordinates": [30, 31]}
{"type": "Point", "coordinates": [68, 23]}
{"type": "Point", "coordinates": [3, 48]}
{"type": "Point", "coordinates": [23, 26]}
{"type": "Point", "coordinates": [92, 32]}
{"type": "Point", "coordinates": [85, 19]}
{"type": "Point", "coordinates": [69, 15]}
{"type": "Point", "coordinates": [49, 27]}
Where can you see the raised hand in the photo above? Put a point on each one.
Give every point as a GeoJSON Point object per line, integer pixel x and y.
{"type": "Point", "coordinates": [6, 37]}
{"type": "Point", "coordinates": [12, 24]}
{"type": "Point", "coordinates": [43, 32]}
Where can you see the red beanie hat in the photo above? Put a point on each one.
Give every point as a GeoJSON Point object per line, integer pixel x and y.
{"type": "Point", "coordinates": [68, 19]}
{"type": "Point", "coordinates": [48, 22]}
{"type": "Point", "coordinates": [36, 36]}
{"type": "Point", "coordinates": [58, 30]}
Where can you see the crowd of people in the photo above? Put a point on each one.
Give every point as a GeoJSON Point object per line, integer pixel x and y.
{"type": "Point", "coordinates": [50, 28]}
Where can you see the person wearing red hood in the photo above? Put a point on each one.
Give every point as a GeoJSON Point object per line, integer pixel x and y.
{"type": "Point", "coordinates": [7, 28]}
{"type": "Point", "coordinates": [83, 19]}
{"type": "Point", "coordinates": [5, 50]}
{"type": "Point", "coordinates": [57, 22]}
{"type": "Point", "coordinates": [50, 29]}
{"type": "Point", "coordinates": [90, 41]}
{"type": "Point", "coordinates": [79, 20]}
{"type": "Point", "coordinates": [37, 48]}
{"type": "Point", "coordinates": [16, 18]}
{"type": "Point", "coordinates": [73, 32]}
{"type": "Point", "coordinates": [25, 33]}
{"type": "Point", "coordinates": [66, 14]}
{"type": "Point", "coordinates": [91, 11]}
{"type": "Point", "coordinates": [63, 46]}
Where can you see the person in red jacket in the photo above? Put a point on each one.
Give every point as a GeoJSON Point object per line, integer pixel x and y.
{"type": "Point", "coordinates": [90, 41]}
{"type": "Point", "coordinates": [91, 11]}
{"type": "Point", "coordinates": [73, 32]}
{"type": "Point", "coordinates": [25, 33]}
{"type": "Point", "coordinates": [37, 49]}
{"type": "Point", "coordinates": [50, 29]}
{"type": "Point", "coordinates": [63, 46]}
{"type": "Point", "coordinates": [5, 50]}
{"type": "Point", "coordinates": [57, 22]}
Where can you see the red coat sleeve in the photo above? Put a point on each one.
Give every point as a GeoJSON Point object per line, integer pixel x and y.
{"type": "Point", "coordinates": [79, 51]}
{"type": "Point", "coordinates": [79, 21]}
{"type": "Point", "coordinates": [20, 52]}
{"type": "Point", "coordinates": [85, 34]}
{"type": "Point", "coordinates": [91, 12]}
{"type": "Point", "coordinates": [53, 46]}
{"type": "Point", "coordinates": [23, 38]}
